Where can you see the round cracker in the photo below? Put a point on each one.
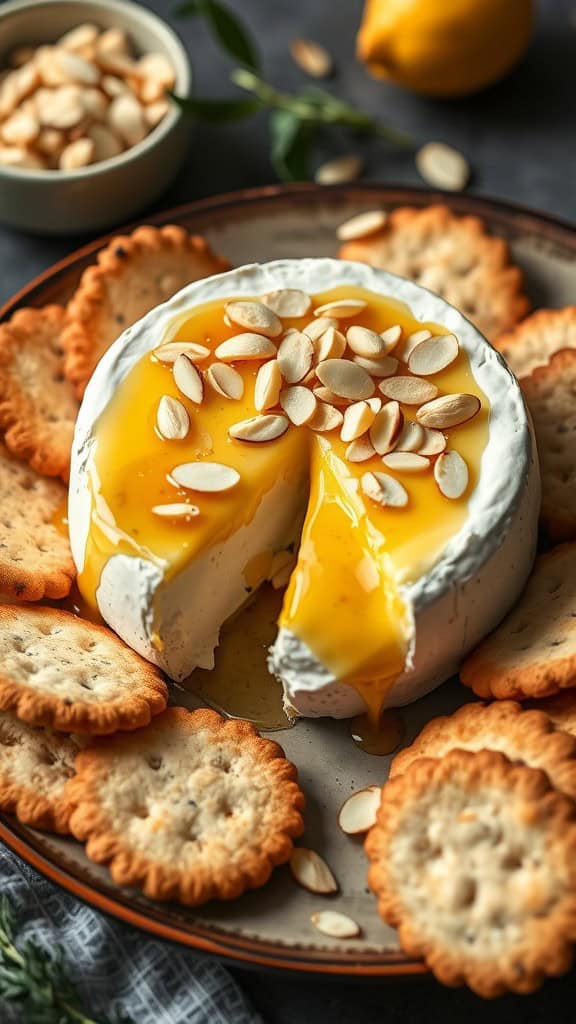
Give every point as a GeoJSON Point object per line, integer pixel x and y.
{"type": "Point", "coordinates": [473, 859]}
{"type": "Point", "coordinates": [192, 808]}
{"type": "Point", "coordinates": [63, 672]}
{"type": "Point", "coordinates": [533, 342]}
{"type": "Point", "coordinates": [561, 709]}
{"type": "Point", "coordinates": [134, 274]}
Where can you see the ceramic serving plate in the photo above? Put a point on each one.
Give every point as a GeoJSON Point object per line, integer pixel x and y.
{"type": "Point", "coordinates": [271, 927]}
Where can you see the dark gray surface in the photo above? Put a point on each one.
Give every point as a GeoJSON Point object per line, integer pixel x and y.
{"type": "Point", "coordinates": [520, 139]}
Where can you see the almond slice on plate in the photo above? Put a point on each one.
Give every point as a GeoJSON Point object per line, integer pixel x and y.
{"type": "Point", "coordinates": [299, 404]}
{"type": "Point", "coordinates": [339, 171]}
{"type": "Point", "coordinates": [391, 336]}
{"type": "Point", "coordinates": [374, 403]}
{"type": "Point", "coordinates": [187, 379]}
{"type": "Point", "coordinates": [226, 381]}
{"type": "Point", "coordinates": [311, 871]}
{"type": "Point", "coordinates": [451, 474]}
{"type": "Point", "coordinates": [169, 352]}
{"type": "Point", "coordinates": [358, 812]}
{"type": "Point", "coordinates": [360, 450]}
{"type": "Point", "coordinates": [408, 390]}
{"type": "Point", "coordinates": [341, 309]}
{"type": "Point", "coordinates": [295, 356]}
{"type": "Point", "coordinates": [384, 490]}
{"type": "Point", "coordinates": [326, 395]}
{"type": "Point", "coordinates": [384, 367]}
{"type": "Point", "coordinates": [172, 420]}
{"type": "Point", "coordinates": [176, 510]}
{"type": "Point", "coordinates": [335, 924]}
{"type": "Point", "coordinates": [267, 386]}
{"type": "Point", "coordinates": [443, 166]}
{"type": "Point", "coordinates": [208, 477]}
{"type": "Point", "coordinates": [361, 226]}
{"type": "Point", "coordinates": [433, 355]}
{"type": "Point", "coordinates": [245, 346]}
{"type": "Point", "coordinates": [433, 442]}
{"type": "Point", "coordinates": [386, 428]}
{"type": "Point", "coordinates": [406, 462]}
{"type": "Point", "coordinates": [317, 327]}
{"type": "Point", "coordinates": [345, 378]}
{"type": "Point", "coordinates": [254, 316]}
{"type": "Point", "coordinates": [258, 429]}
{"type": "Point", "coordinates": [330, 345]}
{"type": "Point", "coordinates": [415, 339]}
{"type": "Point", "coordinates": [313, 58]}
{"type": "Point", "coordinates": [410, 438]}
{"type": "Point", "coordinates": [358, 419]}
{"type": "Point", "coordinates": [365, 342]}
{"type": "Point", "coordinates": [325, 418]}
{"type": "Point", "coordinates": [288, 302]}
{"type": "Point", "coordinates": [448, 411]}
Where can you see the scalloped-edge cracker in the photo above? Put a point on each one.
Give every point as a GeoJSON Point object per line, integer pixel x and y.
{"type": "Point", "coordinates": [453, 256]}
{"type": "Point", "coordinates": [561, 709]}
{"type": "Point", "coordinates": [38, 407]}
{"type": "Point", "coordinates": [533, 342]}
{"type": "Point", "coordinates": [68, 674]}
{"type": "Point", "coordinates": [35, 556]}
{"type": "Point", "coordinates": [134, 273]}
{"type": "Point", "coordinates": [533, 651]}
{"type": "Point", "coordinates": [473, 859]}
{"type": "Point", "coordinates": [194, 807]}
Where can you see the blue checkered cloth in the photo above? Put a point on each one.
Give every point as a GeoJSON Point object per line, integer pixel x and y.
{"type": "Point", "coordinates": [114, 966]}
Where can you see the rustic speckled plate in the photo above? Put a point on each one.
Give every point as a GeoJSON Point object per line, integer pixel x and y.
{"type": "Point", "coordinates": [272, 927]}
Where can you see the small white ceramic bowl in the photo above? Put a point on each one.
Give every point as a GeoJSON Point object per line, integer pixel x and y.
{"type": "Point", "coordinates": [110, 192]}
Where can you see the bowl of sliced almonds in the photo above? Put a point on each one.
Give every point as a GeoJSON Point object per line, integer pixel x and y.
{"type": "Point", "coordinates": [88, 132]}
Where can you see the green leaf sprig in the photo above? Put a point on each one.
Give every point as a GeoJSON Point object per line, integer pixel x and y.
{"type": "Point", "coordinates": [36, 980]}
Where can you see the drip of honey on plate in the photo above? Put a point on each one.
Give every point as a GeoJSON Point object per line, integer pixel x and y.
{"type": "Point", "coordinates": [381, 736]}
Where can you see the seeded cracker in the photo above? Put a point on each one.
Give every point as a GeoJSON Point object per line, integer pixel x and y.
{"type": "Point", "coordinates": [533, 652]}
{"type": "Point", "coordinates": [63, 672]}
{"type": "Point", "coordinates": [35, 557]}
{"type": "Point", "coordinates": [194, 807]}
{"type": "Point", "coordinates": [525, 737]}
{"type": "Point", "coordinates": [37, 404]}
{"type": "Point", "coordinates": [134, 274]}
{"type": "Point", "coordinates": [533, 342]}
{"type": "Point", "coordinates": [452, 256]}
{"type": "Point", "coordinates": [550, 394]}
{"type": "Point", "coordinates": [473, 859]}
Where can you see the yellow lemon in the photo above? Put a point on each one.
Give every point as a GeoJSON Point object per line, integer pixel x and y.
{"type": "Point", "coordinates": [444, 47]}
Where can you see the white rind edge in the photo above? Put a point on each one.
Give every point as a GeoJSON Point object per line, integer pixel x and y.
{"type": "Point", "coordinates": [456, 602]}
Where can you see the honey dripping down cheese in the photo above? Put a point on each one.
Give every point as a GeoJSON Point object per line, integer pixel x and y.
{"type": "Point", "coordinates": [344, 599]}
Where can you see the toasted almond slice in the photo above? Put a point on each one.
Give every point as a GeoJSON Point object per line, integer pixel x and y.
{"type": "Point", "coordinates": [384, 490]}
{"type": "Point", "coordinates": [245, 346]}
{"type": "Point", "coordinates": [365, 342]}
{"type": "Point", "coordinates": [76, 154]}
{"type": "Point", "coordinates": [172, 420]}
{"type": "Point", "coordinates": [79, 36]}
{"type": "Point", "coordinates": [259, 429]}
{"type": "Point", "coordinates": [267, 386]}
{"type": "Point", "coordinates": [448, 411]}
{"type": "Point", "coordinates": [443, 166]}
{"type": "Point", "coordinates": [281, 569]}
{"type": "Point", "coordinates": [313, 58]}
{"type": "Point", "coordinates": [208, 477]}
{"type": "Point", "coordinates": [374, 403]}
{"type": "Point", "coordinates": [433, 355]}
{"type": "Point", "coordinates": [169, 352]}
{"type": "Point", "coordinates": [406, 462]}
{"type": "Point", "coordinates": [339, 171]}
{"type": "Point", "coordinates": [226, 381]}
{"type": "Point", "coordinates": [330, 345]}
{"type": "Point", "coordinates": [386, 427]}
{"type": "Point", "coordinates": [385, 367]}
{"type": "Point", "coordinates": [433, 442]}
{"type": "Point", "coordinates": [288, 302]}
{"type": "Point", "coordinates": [360, 450]}
{"type": "Point", "coordinates": [325, 418]}
{"type": "Point", "coordinates": [326, 395]}
{"type": "Point", "coordinates": [176, 510]}
{"type": "Point", "coordinates": [410, 438]}
{"type": "Point", "coordinates": [126, 118]}
{"type": "Point", "coordinates": [310, 378]}
{"type": "Point", "coordinates": [345, 378]}
{"type": "Point", "coordinates": [361, 226]}
{"type": "Point", "coordinates": [358, 419]}
{"type": "Point", "coordinates": [156, 112]}
{"type": "Point", "coordinates": [75, 68]}
{"type": "Point", "coordinates": [408, 390]}
{"type": "Point", "coordinates": [311, 871]}
{"type": "Point", "coordinates": [187, 378]}
{"type": "Point", "coordinates": [295, 355]}
{"type": "Point", "coordinates": [299, 404]}
{"type": "Point", "coordinates": [335, 924]}
{"type": "Point", "coordinates": [254, 316]}
{"type": "Point", "coordinates": [341, 309]}
{"type": "Point", "coordinates": [451, 474]}
{"type": "Point", "coordinates": [317, 327]}
{"type": "Point", "coordinates": [391, 336]}
{"type": "Point", "coordinates": [413, 340]}
{"type": "Point", "coordinates": [358, 812]}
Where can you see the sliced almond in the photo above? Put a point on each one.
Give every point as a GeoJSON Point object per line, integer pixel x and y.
{"type": "Point", "coordinates": [345, 378]}
{"type": "Point", "coordinates": [21, 128]}
{"type": "Point", "coordinates": [361, 226]}
{"type": "Point", "coordinates": [384, 490]}
{"type": "Point", "coordinates": [208, 477]}
{"type": "Point", "coordinates": [106, 145]}
{"type": "Point", "coordinates": [415, 339]}
{"type": "Point", "coordinates": [360, 450]}
{"type": "Point", "coordinates": [75, 68]}
{"type": "Point", "coordinates": [254, 316]}
{"type": "Point", "coordinates": [245, 346]}
{"type": "Point", "coordinates": [311, 871]}
{"type": "Point", "coordinates": [260, 429]}
{"type": "Point", "coordinates": [341, 309]}
{"type": "Point", "coordinates": [443, 166]}
{"type": "Point", "coordinates": [79, 37]}
{"type": "Point", "coordinates": [339, 171]}
{"type": "Point", "coordinates": [384, 367]}
{"type": "Point", "coordinates": [288, 302]}
{"type": "Point", "coordinates": [313, 58]}
{"type": "Point", "coordinates": [60, 108]}
{"type": "Point", "coordinates": [433, 442]}
{"type": "Point", "coordinates": [226, 381]}
{"type": "Point", "coordinates": [76, 154]}
{"type": "Point", "coordinates": [325, 418]}
{"type": "Point", "coordinates": [386, 427]}
{"type": "Point", "coordinates": [410, 438]}
{"type": "Point", "coordinates": [267, 386]}
{"type": "Point", "coordinates": [335, 924]}
{"type": "Point", "coordinates": [365, 342]}
{"type": "Point", "coordinates": [408, 390]}
{"type": "Point", "coordinates": [156, 112]}
{"type": "Point", "coordinates": [326, 395]}
{"type": "Point", "coordinates": [451, 474]}
{"type": "Point", "coordinates": [126, 119]}
{"type": "Point", "coordinates": [176, 510]}
{"type": "Point", "coordinates": [295, 355]}
{"type": "Point", "coordinates": [391, 336]}
{"type": "Point", "coordinates": [406, 462]}
{"type": "Point", "coordinates": [169, 352]}
{"type": "Point", "coordinates": [358, 812]}
{"type": "Point", "coordinates": [448, 411]}
{"type": "Point", "coordinates": [187, 378]}
{"type": "Point", "coordinates": [330, 345]}
{"type": "Point", "coordinates": [317, 327]}
{"type": "Point", "coordinates": [299, 404]}
{"type": "Point", "coordinates": [374, 403]}
{"type": "Point", "coordinates": [172, 420]}
{"type": "Point", "coordinates": [358, 419]}
{"type": "Point", "coordinates": [282, 567]}
{"type": "Point", "coordinates": [433, 355]}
